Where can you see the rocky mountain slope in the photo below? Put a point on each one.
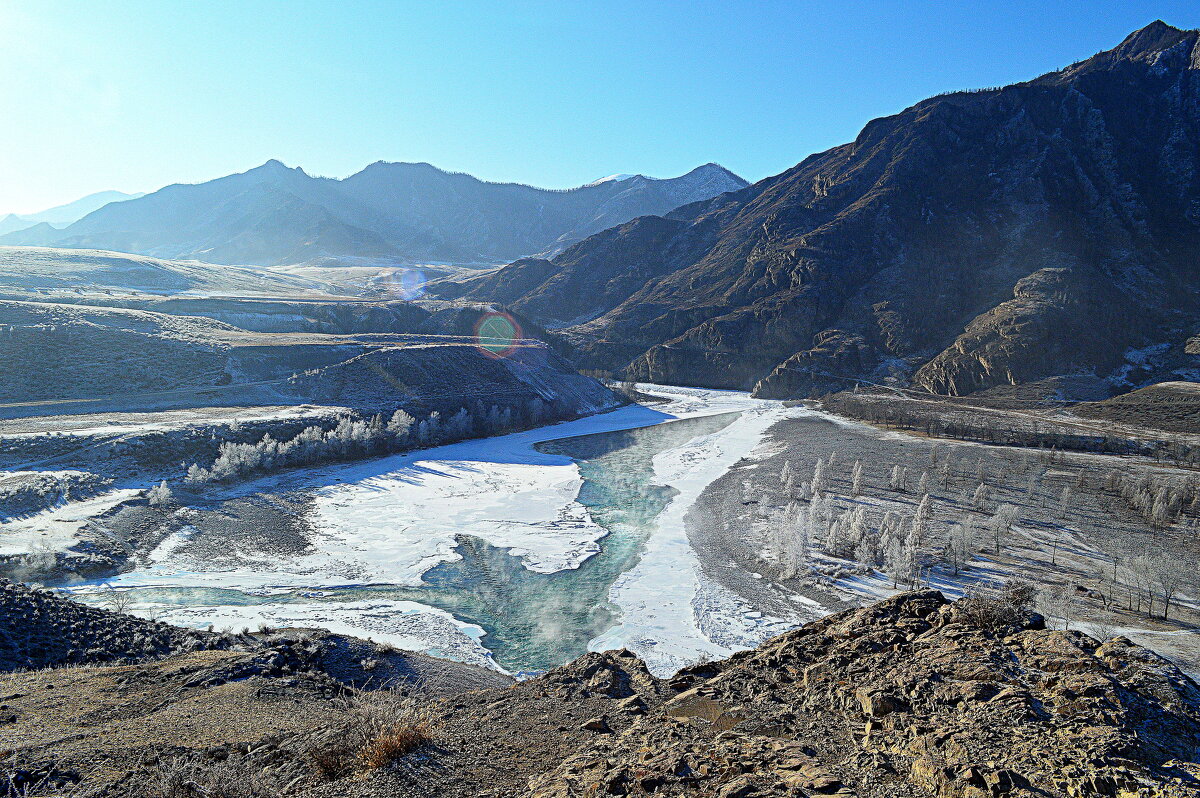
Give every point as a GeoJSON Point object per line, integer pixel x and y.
{"type": "Point", "coordinates": [395, 211]}
{"type": "Point", "coordinates": [912, 696]}
{"type": "Point", "coordinates": [975, 239]}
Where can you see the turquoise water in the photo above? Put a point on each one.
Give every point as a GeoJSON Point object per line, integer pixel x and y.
{"type": "Point", "coordinates": [532, 621]}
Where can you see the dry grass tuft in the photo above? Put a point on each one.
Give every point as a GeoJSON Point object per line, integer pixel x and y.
{"type": "Point", "coordinates": [380, 729]}
{"type": "Point", "coordinates": [393, 744]}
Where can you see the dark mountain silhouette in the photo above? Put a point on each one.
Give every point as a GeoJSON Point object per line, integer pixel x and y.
{"type": "Point", "coordinates": [976, 239]}
{"type": "Point", "coordinates": [396, 211]}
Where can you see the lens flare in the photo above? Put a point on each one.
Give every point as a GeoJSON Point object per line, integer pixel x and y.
{"type": "Point", "coordinates": [402, 283]}
{"type": "Point", "coordinates": [497, 334]}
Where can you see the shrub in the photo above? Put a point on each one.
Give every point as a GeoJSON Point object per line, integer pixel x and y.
{"type": "Point", "coordinates": [381, 728]}
{"type": "Point", "coordinates": [393, 744]}
{"type": "Point", "coordinates": [998, 607]}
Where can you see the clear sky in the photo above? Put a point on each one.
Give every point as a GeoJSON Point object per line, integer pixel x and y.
{"type": "Point", "coordinates": [130, 95]}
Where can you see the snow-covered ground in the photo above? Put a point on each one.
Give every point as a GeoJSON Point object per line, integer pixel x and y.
{"type": "Point", "coordinates": [404, 624]}
{"type": "Point", "coordinates": [58, 528]}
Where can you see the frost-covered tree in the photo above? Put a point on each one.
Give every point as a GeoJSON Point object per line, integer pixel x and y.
{"type": "Point", "coordinates": [1064, 502]}
{"type": "Point", "coordinates": [461, 425]}
{"type": "Point", "coordinates": [980, 499]}
{"type": "Point", "coordinates": [818, 519]}
{"type": "Point", "coordinates": [856, 478]}
{"type": "Point", "coordinates": [399, 426]}
{"type": "Point", "coordinates": [792, 541]}
{"type": "Point", "coordinates": [837, 539]}
{"type": "Point", "coordinates": [901, 560]}
{"type": "Point", "coordinates": [921, 519]}
{"type": "Point", "coordinates": [818, 483]}
{"type": "Point", "coordinates": [765, 502]}
{"type": "Point", "coordinates": [160, 495]}
{"type": "Point", "coordinates": [1000, 525]}
{"type": "Point", "coordinates": [429, 429]}
{"type": "Point", "coordinates": [947, 470]}
{"type": "Point", "coordinates": [897, 480]}
{"type": "Point", "coordinates": [923, 483]}
{"type": "Point", "coordinates": [785, 474]}
{"type": "Point", "coordinates": [1034, 482]}
{"type": "Point", "coordinates": [536, 411]}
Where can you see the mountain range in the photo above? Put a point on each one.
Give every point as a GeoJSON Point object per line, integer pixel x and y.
{"type": "Point", "coordinates": [406, 212]}
{"type": "Point", "coordinates": [61, 215]}
{"type": "Point", "coordinates": [976, 239]}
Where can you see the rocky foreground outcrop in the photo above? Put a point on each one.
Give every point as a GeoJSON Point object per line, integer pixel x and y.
{"type": "Point", "coordinates": [912, 696]}
{"type": "Point", "coordinates": [909, 697]}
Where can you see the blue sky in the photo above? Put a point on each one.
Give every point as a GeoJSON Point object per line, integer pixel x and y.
{"type": "Point", "coordinates": [135, 95]}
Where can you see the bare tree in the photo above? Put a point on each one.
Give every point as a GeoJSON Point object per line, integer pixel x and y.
{"type": "Point", "coordinates": [1060, 602]}
{"type": "Point", "coordinates": [117, 600]}
{"type": "Point", "coordinates": [1169, 573]}
{"type": "Point", "coordinates": [1001, 524]}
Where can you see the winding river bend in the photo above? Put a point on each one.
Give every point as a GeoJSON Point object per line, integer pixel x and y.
{"type": "Point", "coordinates": [487, 598]}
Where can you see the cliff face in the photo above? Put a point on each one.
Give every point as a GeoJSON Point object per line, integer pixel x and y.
{"type": "Point", "coordinates": [975, 239]}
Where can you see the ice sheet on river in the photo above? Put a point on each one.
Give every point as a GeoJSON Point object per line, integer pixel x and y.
{"type": "Point", "coordinates": [389, 521]}
{"type": "Point", "coordinates": [671, 615]}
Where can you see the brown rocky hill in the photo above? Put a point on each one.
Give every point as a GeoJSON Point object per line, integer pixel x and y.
{"type": "Point", "coordinates": [911, 696]}
{"type": "Point", "coordinates": [976, 239]}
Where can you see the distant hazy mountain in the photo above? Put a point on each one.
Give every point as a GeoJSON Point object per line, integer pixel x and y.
{"type": "Point", "coordinates": [62, 215]}
{"type": "Point", "coordinates": [398, 211]}
{"type": "Point", "coordinates": [976, 239]}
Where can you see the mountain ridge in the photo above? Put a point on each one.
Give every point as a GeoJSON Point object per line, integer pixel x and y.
{"type": "Point", "coordinates": [945, 246]}
{"type": "Point", "coordinates": [275, 215]}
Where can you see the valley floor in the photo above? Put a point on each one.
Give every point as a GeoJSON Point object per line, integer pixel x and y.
{"type": "Point", "coordinates": [651, 527]}
{"type": "Point", "coordinates": [396, 548]}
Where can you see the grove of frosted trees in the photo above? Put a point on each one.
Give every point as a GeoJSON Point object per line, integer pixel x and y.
{"type": "Point", "coordinates": [818, 531]}
{"type": "Point", "coordinates": [354, 438]}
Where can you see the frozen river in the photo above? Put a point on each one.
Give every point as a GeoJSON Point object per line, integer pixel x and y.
{"type": "Point", "coordinates": [521, 551]}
